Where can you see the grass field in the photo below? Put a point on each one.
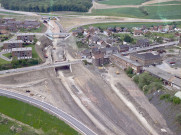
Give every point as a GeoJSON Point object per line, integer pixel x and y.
{"type": "Point", "coordinates": [7, 124]}
{"type": "Point", "coordinates": [9, 13]}
{"type": "Point", "coordinates": [129, 25]}
{"type": "Point", "coordinates": [170, 2]}
{"type": "Point", "coordinates": [8, 55]}
{"type": "Point", "coordinates": [154, 12]}
{"type": "Point", "coordinates": [34, 53]}
{"type": "Point", "coordinates": [34, 117]}
{"type": "Point", "coordinates": [2, 61]}
{"type": "Point", "coordinates": [122, 2]}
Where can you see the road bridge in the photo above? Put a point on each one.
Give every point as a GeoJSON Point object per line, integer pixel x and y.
{"type": "Point", "coordinates": [42, 66]}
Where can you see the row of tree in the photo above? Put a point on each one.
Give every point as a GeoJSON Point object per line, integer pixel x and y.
{"type": "Point", "coordinates": [47, 5]}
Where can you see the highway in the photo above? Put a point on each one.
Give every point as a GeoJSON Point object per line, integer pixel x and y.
{"type": "Point", "coordinates": [39, 67]}
{"type": "Point", "coordinates": [49, 108]}
{"type": "Point", "coordinates": [151, 47]}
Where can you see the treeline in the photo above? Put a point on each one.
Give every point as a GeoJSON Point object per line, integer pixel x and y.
{"type": "Point", "coordinates": [20, 63]}
{"type": "Point", "coordinates": [47, 5]}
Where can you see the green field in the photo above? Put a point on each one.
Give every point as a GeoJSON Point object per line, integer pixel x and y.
{"type": "Point", "coordinates": [7, 124]}
{"type": "Point", "coordinates": [170, 2]}
{"type": "Point", "coordinates": [2, 61]}
{"type": "Point", "coordinates": [35, 117]}
{"type": "Point", "coordinates": [41, 29]}
{"type": "Point", "coordinates": [129, 25]}
{"type": "Point", "coordinates": [9, 13]}
{"type": "Point", "coordinates": [154, 12]}
{"type": "Point", "coordinates": [122, 2]}
{"type": "Point", "coordinates": [8, 55]}
{"type": "Point", "coordinates": [34, 53]}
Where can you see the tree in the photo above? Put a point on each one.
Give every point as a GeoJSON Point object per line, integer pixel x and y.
{"type": "Point", "coordinates": [128, 39]}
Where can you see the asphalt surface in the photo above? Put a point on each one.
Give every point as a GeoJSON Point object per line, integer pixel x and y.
{"type": "Point", "coordinates": [49, 108]}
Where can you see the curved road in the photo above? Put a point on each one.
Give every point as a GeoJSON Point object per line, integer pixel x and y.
{"type": "Point", "coordinates": [49, 108]}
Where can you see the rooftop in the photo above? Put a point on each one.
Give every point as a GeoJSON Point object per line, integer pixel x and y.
{"type": "Point", "coordinates": [24, 34]}
{"type": "Point", "coordinates": [164, 75]}
{"type": "Point", "coordinates": [22, 49]}
{"type": "Point", "coordinates": [127, 60]}
{"type": "Point", "coordinates": [145, 56]}
{"type": "Point", "coordinates": [14, 41]}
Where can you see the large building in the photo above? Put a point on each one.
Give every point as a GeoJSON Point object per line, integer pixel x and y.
{"type": "Point", "coordinates": [8, 45]}
{"type": "Point", "coordinates": [26, 37]}
{"type": "Point", "coordinates": [146, 59]}
{"type": "Point", "coordinates": [99, 59]}
{"type": "Point", "coordinates": [22, 53]}
{"type": "Point", "coordinates": [125, 63]}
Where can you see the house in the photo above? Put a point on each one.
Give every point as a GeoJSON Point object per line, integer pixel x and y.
{"type": "Point", "coordinates": [138, 33]}
{"type": "Point", "coordinates": [93, 39]}
{"type": "Point", "coordinates": [143, 43]}
{"type": "Point", "coordinates": [118, 29]}
{"type": "Point", "coordinates": [123, 48]}
{"type": "Point", "coordinates": [8, 45]}
{"type": "Point", "coordinates": [4, 32]}
{"type": "Point", "coordinates": [146, 59]}
{"type": "Point", "coordinates": [155, 28]}
{"type": "Point", "coordinates": [99, 59]}
{"type": "Point", "coordinates": [107, 32]}
{"type": "Point", "coordinates": [8, 19]}
{"type": "Point", "coordinates": [111, 50]}
{"type": "Point", "coordinates": [26, 37]}
{"type": "Point", "coordinates": [22, 53]}
{"type": "Point", "coordinates": [125, 63]}
{"type": "Point", "coordinates": [86, 53]}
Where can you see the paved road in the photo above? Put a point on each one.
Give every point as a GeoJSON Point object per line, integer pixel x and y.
{"type": "Point", "coordinates": [39, 67]}
{"type": "Point", "coordinates": [49, 108]}
{"type": "Point", "coordinates": [151, 47]}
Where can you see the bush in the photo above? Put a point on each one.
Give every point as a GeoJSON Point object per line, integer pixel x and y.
{"type": "Point", "coordinates": [136, 79]}
{"type": "Point", "coordinates": [165, 96]}
{"type": "Point", "coordinates": [176, 100]}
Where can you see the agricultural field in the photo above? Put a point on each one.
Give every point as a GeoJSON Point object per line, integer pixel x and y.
{"type": "Point", "coordinates": [129, 25]}
{"type": "Point", "coordinates": [147, 12]}
{"type": "Point", "coordinates": [169, 2]}
{"type": "Point", "coordinates": [122, 2]}
{"type": "Point", "coordinates": [34, 117]}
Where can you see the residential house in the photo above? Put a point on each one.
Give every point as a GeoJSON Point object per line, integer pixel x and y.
{"type": "Point", "coordinates": [22, 53]}
{"type": "Point", "coordinates": [138, 32]}
{"type": "Point", "coordinates": [8, 45]}
{"type": "Point", "coordinates": [123, 48]}
{"type": "Point", "coordinates": [143, 43]}
{"type": "Point", "coordinates": [26, 37]}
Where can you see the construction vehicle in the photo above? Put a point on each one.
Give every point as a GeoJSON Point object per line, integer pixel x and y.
{"type": "Point", "coordinates": [117, 72]}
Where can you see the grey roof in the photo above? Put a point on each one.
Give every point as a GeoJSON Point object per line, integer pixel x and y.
{"type": "Point", "coordinates": [127, 60]}
{"type": "Point", "coordinates": [22, 49]}
{"type": "Point", "coordinates": [14, 41]}
{"type": "Point", "coordinates": [146, 56]}
{"type": "Point", "coordinates": [25, 34]}
{"type": "Point", "coordinates": [143, 41]}
{"type": "Point", "coordinates": [164, 75]}
{"type": "Point", "coordinates": [123, 46]}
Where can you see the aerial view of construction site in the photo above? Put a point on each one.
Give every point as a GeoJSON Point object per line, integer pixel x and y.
{"type": "Point", "coordinates": [90, 67]}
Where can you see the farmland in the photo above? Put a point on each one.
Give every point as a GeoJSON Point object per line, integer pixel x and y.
{"type": "Point", "coordinates": [122, 2]}
{"type": "Point", "coordinates": [147, 12]}
{"type": "Point", "coordinates": [34, 117]}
